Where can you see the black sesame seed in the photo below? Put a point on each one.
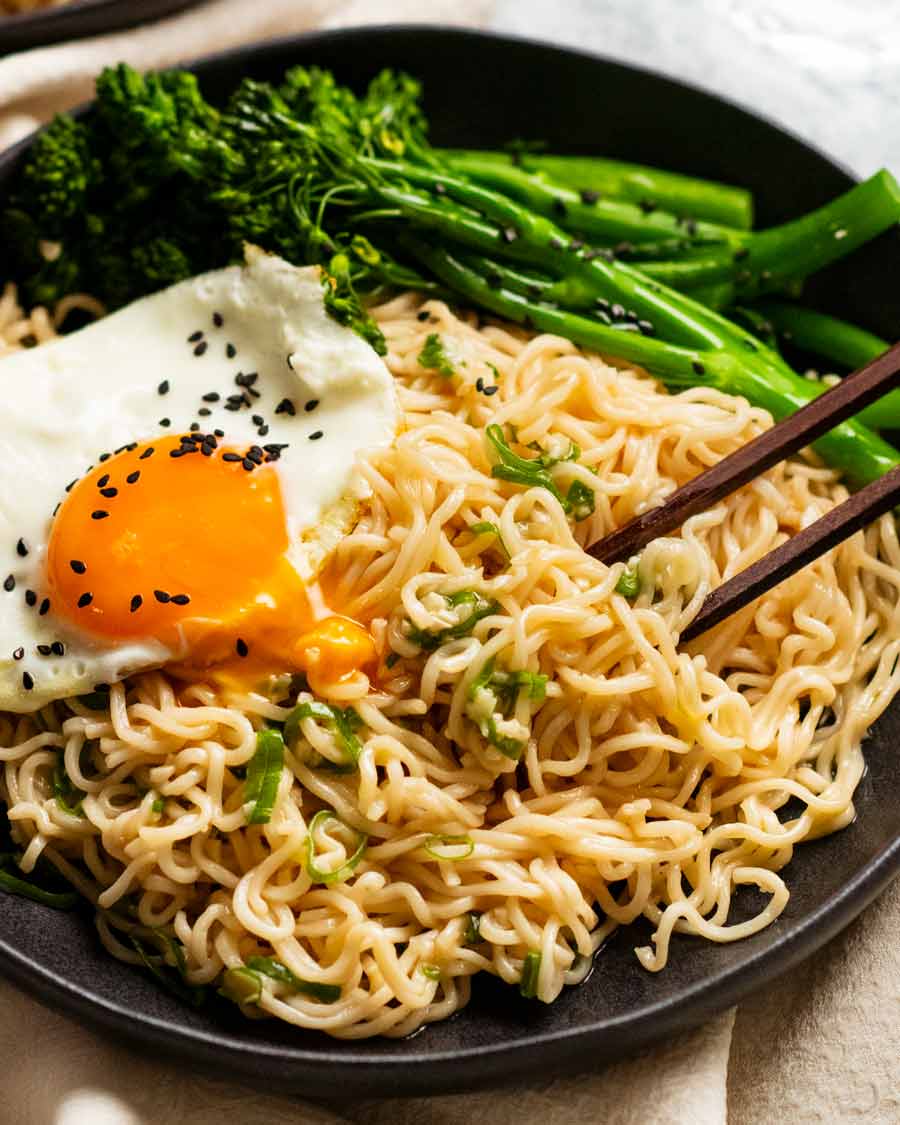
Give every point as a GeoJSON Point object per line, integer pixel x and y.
{"type": "Point", "coordinates": [148, 452]}
{"type": "Point", "coordinates": [194, 427]}
{"type": "Point", "coordinates": [180, 599]}
{"type": "Point", "coordinates": [58, 648]}
{"type": "Point", "coordinates": [286, 407]}
{"type": "Point", "coordinates": [647, 205]}
{"type": "Point", "coordinates": [248, 465]}
{"type": "Point", "coordinates": [77, 566]}
{"type": "Point", "coordinates": [136, 602]}
{"type": "Point", "coordinates": [195, 336]}
{"type": "Point", "coordinates": [18, 654]}
{"type": "Point", "coordinates": [56, 508]}
{"type": "Point", "coordinates": [246, 380]}
{"type": "Point", "coordinates": [618, 312]}
{"type": "Point", "coordinates": [241, 647]}
{"type": "Point", "coordinates": [263, 430]}
{"type": "Point", "coordinates": [479, 383]}
{"type": "Point", "coordinates": [316, 435]}
{"type": "Point", "coordinates": [588, 195]}
{"type": "Point", "coordinates": [207, 450]}
{"type": "Point", "coordinates": [162, 597]}
{"type": "Point", "coordinates": [697, 367]}
{"type": "Point", "coordinates": [134, 477]}
{"type": "Point", "coordinates": [310, 405]}
{"type": "Point", "coordinates": [21, 548]}
{"type": "Point", "coordinates": [71, 485]}
{"type": "Point", "coordinates": [211, 396]}
{"type": "Point", "coordinates": [230, 351]}
{"type": "Point", "coordinates": [491, 390]}
{"type": "Point", "coordinates": [131, 446]}
{"type": "Point", "coordinates": [30, 597]}
{"type": "Point", "coordinates": [99, 514]}
{"type": "Point", "coordinates": [201, 348]}
{"type": "Point", "coordinates": [163, 388]}
{"type": "Point", "coordinates": [104, 457]}
{"type": "Point", "coordinates": [9, 584]}
{"type": "Point", "coordinates": [44, 650]}
{"type": "Point", "coordinates": [44, 607]}
{"type": "Point", "coordinates": [257, 420]}
{"type": "Point", "coordinates": [27, 681]}
{"type": "Point", "coordinates": [509, 234]}
{"type": "Point", "coordinates": [103, 481]}
{"type": "Point", "coordinates": [232, 457]}
{"type": "Point", "coordinates": [204, 412]}
{"type": "Point", "coordinates": [165, 422]}
{"type": "Point", "coordinates": [218, 319]}
{"type": "Point", "coordinates": [274, 447]}
{"type": "Point", "coordinates": [109, 493]}
{"type": "Point", "coordinates": [219, 433]}
{"type": "Point", "coordinates": [85, 600]}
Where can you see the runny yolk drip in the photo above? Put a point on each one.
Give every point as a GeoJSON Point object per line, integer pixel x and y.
{"type": "Point", "coordinates": [192, 551]}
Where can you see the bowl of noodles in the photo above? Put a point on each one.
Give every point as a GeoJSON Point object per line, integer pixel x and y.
{"type": "Point", "coordinates": [675, 827]}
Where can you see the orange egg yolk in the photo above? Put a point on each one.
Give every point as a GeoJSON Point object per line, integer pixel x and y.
{"type": "Point", "coordinates": [192, 550]}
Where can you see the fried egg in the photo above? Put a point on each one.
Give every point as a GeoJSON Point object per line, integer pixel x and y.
{"type": "Point", "coordinates": [171, 478]}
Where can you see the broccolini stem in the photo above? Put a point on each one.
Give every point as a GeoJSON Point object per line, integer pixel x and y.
{"type": "Point", "coordinates": [605, 221]}
{"type": "Point", "coordinates": [634, 183]}
{"type": "Point", "coordinates": [842, 343]}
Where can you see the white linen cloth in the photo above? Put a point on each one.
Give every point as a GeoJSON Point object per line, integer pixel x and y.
{"type": "Point", "coordinates": [821, 1045]}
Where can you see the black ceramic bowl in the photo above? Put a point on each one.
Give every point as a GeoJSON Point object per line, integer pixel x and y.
{"type": "Point", "coordinates": [484, 90]}
{"type": "Point", "coordinates": [78, 19]}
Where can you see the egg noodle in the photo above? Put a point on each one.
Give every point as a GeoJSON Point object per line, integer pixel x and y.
{"type": "Point", "coordinates": [653, 781]}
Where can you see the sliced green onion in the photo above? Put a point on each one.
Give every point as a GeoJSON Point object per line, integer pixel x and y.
{"type": "Point", "coordinates": [346, 869]}
{"type": "Point", "coordinates": [17, 884]}
{"type": "Point", "coordinates": [186, 993]}
{"type": "Point", "coordinates": [534, 473]}
{"type": "Point", "coordinates": [68, 798]}
{"type": "Point", "coordinates": [461, 847]}
{"type": "Point", "coordinates": [241, 985]}
{"type": "Point", "coordinates": [629, 584]}
{"type": "Point", "coordinates": [531, 968]}
{"type": "Point", "coordinates": [472, 932]}
{"type": "Point", "coordinates": [392, 659]}
{"type": "Point", "coordinates": [434, 358]}
{"type": "Point", "coordinates": [158, 805]}
{"type": "Point", "coordinates": [269, 967]}
{"type": "Point", "coordinates": [342, 724]}
{"type": "Point", "coordinates": [430, 971]}
{"type": "Point", "coordinates": [263, 776]}
{"type": "Point", "coordinates": [485, 527]}
{"type": "Point", "coordinates": [430, 641]}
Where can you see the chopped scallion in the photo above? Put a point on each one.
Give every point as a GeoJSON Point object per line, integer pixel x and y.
{"type": "Point", "coordinates": [263, 776]}
{"type": "Point", "coordinates": [452, 848]}
{"type": "Point", "coordinates": [345, 870]}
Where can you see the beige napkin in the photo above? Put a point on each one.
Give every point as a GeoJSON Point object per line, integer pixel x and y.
{"type": "Point", "coordinates": [820, 1046]}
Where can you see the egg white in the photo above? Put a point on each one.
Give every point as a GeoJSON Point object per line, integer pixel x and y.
{"type": "Point", "coordinates": [115, 381]}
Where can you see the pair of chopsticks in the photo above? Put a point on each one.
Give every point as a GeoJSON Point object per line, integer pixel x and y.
{"type": "Point", "coordinates": [835, 405]}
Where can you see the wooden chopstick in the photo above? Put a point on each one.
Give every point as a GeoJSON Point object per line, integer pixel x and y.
{"type": "Point", "coordinates": [835, 405]}
{"type": "Point", "coordinates": [807, 545]}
